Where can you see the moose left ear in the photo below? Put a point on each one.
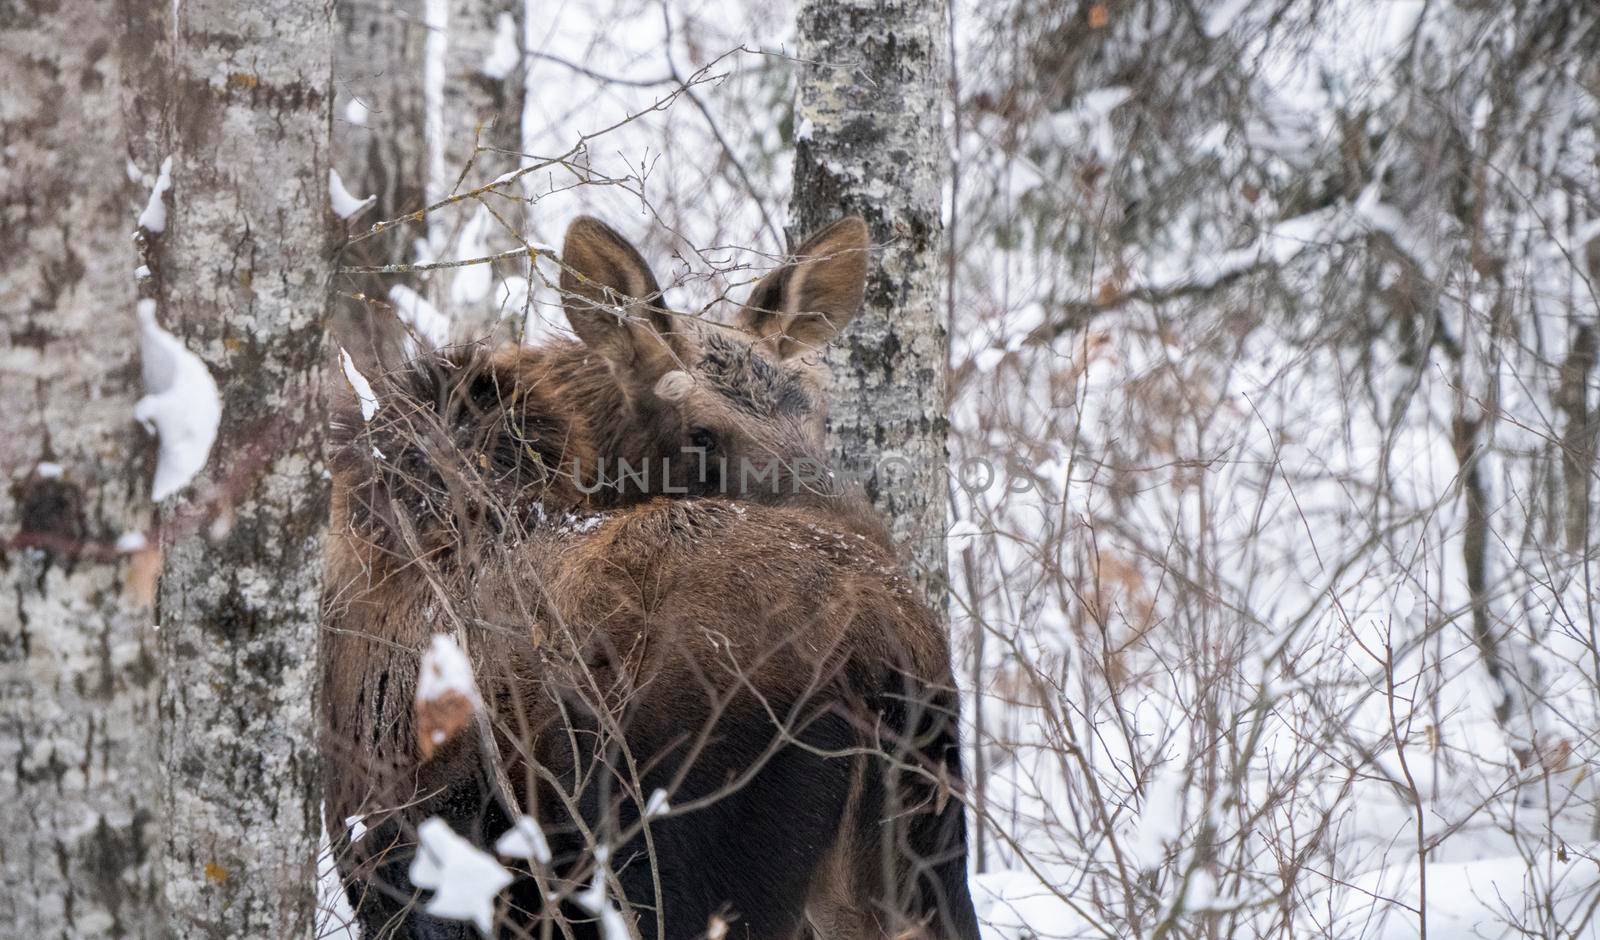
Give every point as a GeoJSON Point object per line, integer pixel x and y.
{"type": "Point", "coordinates": [806, 302]}
{"type": "Point", "coordinates": [613, 302]}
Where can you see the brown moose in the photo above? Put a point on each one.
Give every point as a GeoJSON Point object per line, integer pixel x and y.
{"type": "Point", "coordinates": [751, 650]}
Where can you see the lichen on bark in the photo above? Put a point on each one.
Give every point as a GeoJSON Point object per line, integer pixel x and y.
{"type": "Point", "coordinates": [77, 677]}
{"type": "Point", "coordinates": [871, 141]}
{"type": "Point", "coordinates": [244, 283]}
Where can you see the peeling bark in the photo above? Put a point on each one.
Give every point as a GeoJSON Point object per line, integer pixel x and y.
{"type": "Point", "coordinates": [243, 281]}
{"type": "Point", "coordinates": [77, 674]}
{"type": "Point", "coordinates": [871, 142]}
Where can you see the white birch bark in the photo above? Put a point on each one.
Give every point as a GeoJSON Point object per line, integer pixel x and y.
{"type": "Point", "coordinates": [870, 141]}
{"type": "Point", "coordinates": [77, 648]}
{"type": "Point", "coordinates": [243, 281]}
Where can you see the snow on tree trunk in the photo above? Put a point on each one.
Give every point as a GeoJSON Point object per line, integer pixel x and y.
{"type": "Point", "coordinates": [77, 646]}
{"type": "Point", "coordinates": [243, 281]}
{"type": "Point", "coordinates": [379, 150]}
{"type": "Point", "coordinates": [870, 141]}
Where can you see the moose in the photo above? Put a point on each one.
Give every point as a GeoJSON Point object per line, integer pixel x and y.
{"type": "Point", "coordinates": [752, 650]}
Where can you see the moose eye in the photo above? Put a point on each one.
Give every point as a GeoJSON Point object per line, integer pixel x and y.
{"type": "Point", "coordinates": [702, 439]}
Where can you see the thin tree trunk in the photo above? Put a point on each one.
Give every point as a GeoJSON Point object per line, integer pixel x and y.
{"type": "Point", "coordinates": [78, 794]}
{"type": "Point", "coordinates": [870, 141]}
{"type": "Point", "coordinates": [482, 127]}
{"type": "Point", "coordinates": [483, 88]}
{"type": "Point", "coordinates": [379, 150]}
{"type": "Point", "coordinates": [243, 282]}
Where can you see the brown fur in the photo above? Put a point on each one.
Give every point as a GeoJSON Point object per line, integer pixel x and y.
{"type": "Point", "coordinates": [472, 522]}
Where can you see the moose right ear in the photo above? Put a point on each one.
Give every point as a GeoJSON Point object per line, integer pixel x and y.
{"type": "Point", "coordinates": [613, 302]}
{"type": "Point", "coordinates": [802, 305]}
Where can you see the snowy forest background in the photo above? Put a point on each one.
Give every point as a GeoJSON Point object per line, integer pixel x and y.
{"type": "Point", "coordinates": [1272, 383]}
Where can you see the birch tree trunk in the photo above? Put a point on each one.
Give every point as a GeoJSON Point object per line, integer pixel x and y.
{"type": "Point", "coordinates": [77, 651]}
{"type": "Point", "coordinates": [481, 124]}
{"type": "Point", "coordinates": [870, 141]}
{"type": "Point", "coordinates": [379, 149]}
{"type": "Point", "coordinates": [243, 279]}
{"type": "Point", "coordinates": [483, 90]}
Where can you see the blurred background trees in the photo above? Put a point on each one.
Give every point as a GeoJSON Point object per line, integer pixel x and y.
{"type": "Point", "coordinates": [1271, 396]}
{"type": "Point", "coordinates": [1271, 399]}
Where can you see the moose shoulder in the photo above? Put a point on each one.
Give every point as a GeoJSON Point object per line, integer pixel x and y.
{"type": "Point", "coordinates": [753, 653]}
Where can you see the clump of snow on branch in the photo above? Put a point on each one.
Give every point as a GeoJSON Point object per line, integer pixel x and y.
{"type": "Point", "coordinates": [445, 671]}
{"type": "Point", "coordinates": [181, 404]}
{"type": "Point", "coordinates": [596, 901]}
{"type": "Point", "coordinates": [154, 217]}
{"type": "Point", "coordinates": [422, 318]}
{"type": "Point", "coordinates": [657, 805]}
{"type": "Point", "coordinates": [359, 384]}
{"type": "Point", "coordinates": [356, 111]}
{"type": "Point", "coordinates": [447, 695]}
{"type": "Point", "coordinates": [344, 204]}
{"type": "Point", "coordinates": [464, 879]}
{"type": "Point", "coordinates": [525, 839]}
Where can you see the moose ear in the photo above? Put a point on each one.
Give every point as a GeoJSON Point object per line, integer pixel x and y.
{"type": "Point", "coordinates": [806, 302]}
{"type": "Point", "coordinates": [612, 300]}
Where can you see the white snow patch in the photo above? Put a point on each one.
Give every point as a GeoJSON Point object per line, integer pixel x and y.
{"type": "Point", "coordinates": [1089, 121]}
{"type": "Point", "coordinates": [525, 840]}
{"type": "Point", "coordinates": [472, 283]}
{"type": "Point", "coordinates": [464, 879]}
{"type": "Point", "coordinates": [130, 542]}
{"type": "Point", "coordinates": [335, 919]}
{"type": "Point", "coordinates": [1161, 816]}
{"type": "Point", "coordinates": [424, 319]}
{"type": "Point", "coordinates": [657, 805]}
{"type": "Point", "coordinates": [595, 900]}
{"type": "Point", "coordinates": [48, 470]}
{"type": "Point", "coordinates": [154, 217]}
{"type": "Point", "coordinates": [181, 404]}
{"type": "Point", "coordinates": [1469, 900]}
{"type": "Point", "coordinates": [141, 272]}
{"type": "Point", "coordinates": [1222, 18]}
{"type": "Point", "coordinates": [356, 111]}
{"type": "Point", "coordinates": [505, 55]}
{"type": "Point", "coordinates": [445, 669]}
{"type": "Point", "coordinates": [358, 382]}
{"type": "Point", "coordinates": [357, 825]}
{"type": "Point", "coordinates": [344, 204]}
{"type": "Point", "coordinates": [512, 293]}
{"type": "Point", "coordinates": [961, 534]}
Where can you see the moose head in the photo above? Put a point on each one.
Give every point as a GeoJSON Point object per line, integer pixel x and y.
{"type": "Point", "coordinates": [737, 410]}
